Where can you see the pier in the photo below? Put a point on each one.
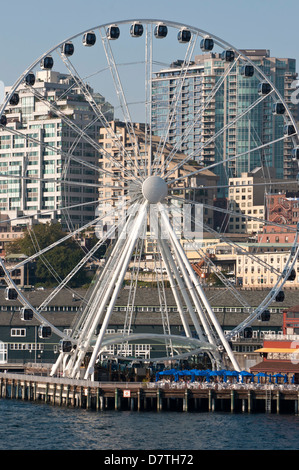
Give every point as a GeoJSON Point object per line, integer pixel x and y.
{"type": "Point", "coordinates": [150, 396]}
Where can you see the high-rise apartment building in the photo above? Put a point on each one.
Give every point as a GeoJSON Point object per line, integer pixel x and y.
{"type": "Point", "coordinates": [51, 167]}
{"type": "Point", "coordinates": [187, 110]}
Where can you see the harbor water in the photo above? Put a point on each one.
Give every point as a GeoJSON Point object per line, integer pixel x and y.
{"type": "Point", "coordinates": [34, 426]}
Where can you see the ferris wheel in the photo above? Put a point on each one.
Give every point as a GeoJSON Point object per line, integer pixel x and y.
{"type": "Point", "coordinates": [140, 125]}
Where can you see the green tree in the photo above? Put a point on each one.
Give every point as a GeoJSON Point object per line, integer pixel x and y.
{"type": "Point", "coordinates": [58, 261]}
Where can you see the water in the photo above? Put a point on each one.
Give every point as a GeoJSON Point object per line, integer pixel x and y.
{"type": "Point", "coordinates": [31, 426]}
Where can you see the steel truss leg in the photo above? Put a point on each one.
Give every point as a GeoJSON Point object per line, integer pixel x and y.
{"type": "Point", "coordinates": [82, 327]}
{"type": "Point", "coordinates": [173, 276]}
{"type": "Point", "coordinates": [198, 287]}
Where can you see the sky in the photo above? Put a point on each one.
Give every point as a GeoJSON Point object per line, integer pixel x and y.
{"type": "Point", "coordinates": [29, 29]}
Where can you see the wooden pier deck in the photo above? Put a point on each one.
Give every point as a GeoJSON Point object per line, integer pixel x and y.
{"type": "Point", "coordinates": [142, 396]}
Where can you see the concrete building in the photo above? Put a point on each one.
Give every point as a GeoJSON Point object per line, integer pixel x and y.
{"type": "Point", "coordinates": [38, 151]}
{"type": "Point", "coordinates": [266, 264]}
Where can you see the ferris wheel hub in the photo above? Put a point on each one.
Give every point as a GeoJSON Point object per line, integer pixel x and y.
{"type": "Point", "coordinates": [154, 189]}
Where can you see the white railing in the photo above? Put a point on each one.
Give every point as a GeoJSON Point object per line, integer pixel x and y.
{"type": "Point", "coordinates": [279, 337]}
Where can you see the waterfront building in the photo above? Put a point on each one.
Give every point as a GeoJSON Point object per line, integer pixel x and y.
{"type": "Point", "coordinates": [38, 151]}
{"type": "Point", "coordinates": [237, 92]}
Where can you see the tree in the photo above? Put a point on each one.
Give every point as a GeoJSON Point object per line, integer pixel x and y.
{"type": "Point", "coordinates": [55, 263]}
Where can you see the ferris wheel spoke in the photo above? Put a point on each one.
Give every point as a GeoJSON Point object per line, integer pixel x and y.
{"type": "Point", "coordinates": [133, 284]}
{"type": "Point", "coordinates": [63, 283]}
{"type": "Point", "coordinates": [231, 212]}
{"type": "Point", "coordinates": [209, 261]}
{"type": "Point", "coordinates": [226, 160]}
{"type": "Point", "coordinates": [68, 156]}
{"type": "Point", "coordinates": [148, 72]}
{"type": "Point", "coordinates": [48, 211]}
{"type": "Point", "coordinates": [123, 103]}
{"type": "Point", "coordinates": [231, 243]}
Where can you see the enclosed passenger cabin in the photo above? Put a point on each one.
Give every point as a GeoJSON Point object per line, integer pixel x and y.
{"type": "Point", "coordinates": [247, 70]}
{"type": "Point", "coordinates": [136, 30]}
{"type": "Point", "coordinates": [264, 88]}
{"type": "Point", "coordinates": [228, 56]}
{"type": "Point", "coordinates": [65, 346]}
{"type": "Point", "coordinates": [292, 275]}
{"type": "Point", "coordinates": [67, 49]}
{"type": "Point", "coordinates": [206, 44]}
{"type": "Point", "coordinates": [47, 63]}
{"type": "Point", "coordinates": [26, 314]}
{"type": "Point", "coordinates": [278, 108]}
{"type": "Point", "coordinates": [184, 35]}
{"type": "Point", "coordinates": [265, 316]}
{"type": "Point", "coordinates": [44, 331]}
{"type": "Point", "coordinates": [14, 99]}
{"type": "Point", "coordinates": [289, 129]}
{"type": "Point", "coordinates": [11, 293]}
{"type": "Point", "coordinates": [89, 39]}
{"type": "Point", "coordinates": [3, 120]}
{"type": "Point", "coordinates": [113, 32]}
{"type": "Point", "coordinates": [30, 79]}
{"type": "Point", "coordinates": [280, 296]}
{"type": "Point", "coordinates": [247, 332]}
{"type": "Point", "coordinates": [295, 153]}
{"type": "Point", "coordinates": [160, 31]}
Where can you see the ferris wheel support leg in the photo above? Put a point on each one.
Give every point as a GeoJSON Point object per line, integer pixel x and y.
{"type": "Point", "coordinates": [199, 289]}
{"type": "Point", "coordinates": [99, 291]}
{"type": "Point", "coordinates": [194, 295]}
{"type": "Point", "coordinates": [56, 365]}
{"type": "Point", "coordinates": [124, 263]}
{"type": "Point", "coordinates": [195, 299]}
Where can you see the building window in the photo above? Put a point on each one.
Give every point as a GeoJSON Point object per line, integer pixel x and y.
{"type": "Point", "coordinates": [18, 332]}
{"type": "Point", "coordinates": [3, 352]}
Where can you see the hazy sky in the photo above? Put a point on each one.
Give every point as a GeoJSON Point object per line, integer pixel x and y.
{"type": "Point", "coordinates": [29, 28]}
